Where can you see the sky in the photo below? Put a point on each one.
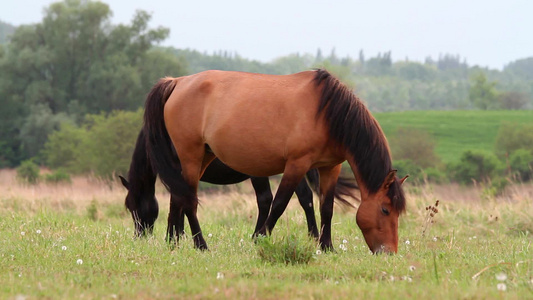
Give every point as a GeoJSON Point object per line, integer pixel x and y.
{"type": "Point", "coordinates": [485, 33]}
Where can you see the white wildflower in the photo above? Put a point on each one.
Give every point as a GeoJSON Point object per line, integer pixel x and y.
{"type": "Point", "coordinates": [318, 252]}
{"type": "Point", "coordinates": [408, 242]}
{"type": "Point", "coordinates": [38, 231]}
{"type": "Point", "coordinates": [412, 268]}
{"type": "Point", "coordinates": [79, 261]}
{"type": "Point", "coordinates": [501, 276]}
{"type": "Point", "coordinates": [502, 287]}
{"type": "Point", "coordinates": [63, 248]}
{"type": "Point", "coordinates": [209, 235]}
{"type": "Point", "coordinates": [220, 275]}
{"type": "Point", "coordinates": [22, 233]}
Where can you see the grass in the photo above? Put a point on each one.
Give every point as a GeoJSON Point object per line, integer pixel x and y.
{"type": "Point", "coordinates": [455, 131]}
{"type": "Point", "coordinates": [73, 241]}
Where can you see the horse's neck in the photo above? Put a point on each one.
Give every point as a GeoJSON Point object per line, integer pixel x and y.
{"type": "Point", "coordinates": [360, 181]}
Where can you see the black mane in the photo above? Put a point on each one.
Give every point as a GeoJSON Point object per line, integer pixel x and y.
{"type": "Point", "coordinates": [352, 125]}
{"type": "Point", "coordinates": [141, 176]}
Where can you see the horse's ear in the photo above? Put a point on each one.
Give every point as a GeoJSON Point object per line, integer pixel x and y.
{"type": "Point", "coordinates": [403, 179]}
{"type": "Point", "coordinates": [125, 183]}
{"type": "Point", "coordinates": [389, 179]}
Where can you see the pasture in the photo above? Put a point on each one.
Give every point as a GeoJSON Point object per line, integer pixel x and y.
{"type": "Point", "coordinates": [455, 131]}
{"type": "Point", "coordinates": [76, 241]}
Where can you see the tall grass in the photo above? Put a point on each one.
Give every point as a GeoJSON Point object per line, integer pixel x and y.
{"type": "Point", "coordinates": [51, 247]}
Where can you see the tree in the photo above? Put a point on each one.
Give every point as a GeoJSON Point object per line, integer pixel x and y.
{"type": "Point", "coordinates": [482, 93]}
{"type": "Point", "coordinates": [513, 100]}
{"type": "Point", "coordinates": [75, 62]}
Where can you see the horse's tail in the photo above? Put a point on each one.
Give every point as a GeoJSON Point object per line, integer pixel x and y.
{"type": "Point", "coordinates": [158, 143]}
{"type": "Point", "coordinates": [344, 188]}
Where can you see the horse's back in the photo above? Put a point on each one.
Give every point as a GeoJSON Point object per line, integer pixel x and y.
{"type": "Point", "coordinates": [250, 121]}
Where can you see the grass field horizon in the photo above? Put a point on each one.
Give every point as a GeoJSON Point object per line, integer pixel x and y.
{"type": "Point", "coordinates": [455, 131]}
{"type": "Point", "coordinates": [76, 241]}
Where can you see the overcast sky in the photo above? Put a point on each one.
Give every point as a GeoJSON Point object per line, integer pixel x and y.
{"type": "Point", "coordinates": [486, 33]}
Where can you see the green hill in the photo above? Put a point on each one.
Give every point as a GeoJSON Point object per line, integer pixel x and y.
{"type": "Point", "coordinates": [455, 131]}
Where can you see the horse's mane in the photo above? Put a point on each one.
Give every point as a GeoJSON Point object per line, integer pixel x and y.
{"type": "Point", "coordinates": [141, 175]}
{"type": "Point", "coordinates": [352, 125]}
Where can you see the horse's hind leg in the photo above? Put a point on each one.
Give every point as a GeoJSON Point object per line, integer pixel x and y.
{"type": "Point", "coordinates": [305, 196]}
{"type": "Point", "coordinates": [264, 199]}
{"type": "Point", "coordinates": [193, 166]}
{"type": "Point", "coordinates": [292, 175]}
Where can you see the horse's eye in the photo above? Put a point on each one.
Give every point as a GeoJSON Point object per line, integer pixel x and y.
{"type": "Point", "coordinates": [385, 211]}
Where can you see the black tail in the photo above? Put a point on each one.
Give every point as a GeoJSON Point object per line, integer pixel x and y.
{"type": "Point", "coordinates": [158, 144]}
{"type": "Point", "coordinates": [344, 188]}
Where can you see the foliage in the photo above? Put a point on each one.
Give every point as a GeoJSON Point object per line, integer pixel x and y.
{"type": "Point", "coordinates": [482, 93]}
{"type": "Point", "coordinates": [28, 172]}
{"type": "Point", "coordinates": [102, 146]}
{"type": "Point", "coordinates": [58, 176]}
{"type": "Point", "coordinates": [289, 249]}
{"type": "Point", "coordinates": [408, 167]}
{"type": "Point", "coordinates": [475, 166]}
{"type": "Point", "coordinates": [415, 145]}
{"type": "Point", "coordinates": [521, 164]}
{"type": "Point", "coordinates": [72, 63]}
{"type": "Point", "coordinates": [513, 136]}
{"type": "Point", "coordinates": [5, 31]}
{"type": "Point", "coordinates": [513, 100]}
{"type": "Point", "coordinates": [65, 147]}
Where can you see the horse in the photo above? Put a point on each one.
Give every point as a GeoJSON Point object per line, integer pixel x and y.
{"type": "Point", "coordinates": [263, 125]}
{"type": "Point", "coordinates": [144, 208]}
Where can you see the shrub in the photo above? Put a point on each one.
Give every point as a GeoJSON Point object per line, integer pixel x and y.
{"type": "Point", "coordinates": [288, 250]}
{"type": "Point", "coordinates": [521, 164]}
{"type": "Point", "coordinates": [28, 172]}
{"type": "Point", "coordinates": [58, 176]}
{"type": "Point", "coordinates": [408, 167]}
{"type": "Point", "coordinates": [415, 145]}
{"type": "Point", "coordinates": [513, 136]}
{"type": "Point", "coordinates": [475, 166]}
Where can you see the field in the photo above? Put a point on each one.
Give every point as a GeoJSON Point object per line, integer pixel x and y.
{"type": "Point", "coordinates": [455, 131]}
{"type": "Point", "coordinates": [76, 241]}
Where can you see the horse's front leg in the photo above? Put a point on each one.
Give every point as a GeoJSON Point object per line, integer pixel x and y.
{"type": "Point", "coordinates": [176, 216]}
{"type": "Point", "coordinates": [292, 175]}
{"type": "Point", "coordinates": [328, 180]}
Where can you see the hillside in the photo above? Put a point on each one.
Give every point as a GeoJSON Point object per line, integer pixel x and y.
{"type": "Point", "coordinates": [455, 131]}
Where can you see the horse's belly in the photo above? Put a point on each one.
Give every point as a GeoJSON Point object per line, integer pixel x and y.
{"type": "Point", "coordinates": [248, 155]}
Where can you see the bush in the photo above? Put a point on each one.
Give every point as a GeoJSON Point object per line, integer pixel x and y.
{"type": "Point", "coordinates": [415, 145]}
{"type": "Point", "coordinates": [102, 146]}
{"type": "Point", "coordinates": [513, 136]}
{"type": "Point", "coordinates": [58, 176]}
{"type": "Point", "coordinates": [408, 167]}
{"type": "Point", "coordinates": [475, 166]}
{"type": "Point", "coordinates": [28, 172]}
{"type": "Point", "coordinates": [521, 164]}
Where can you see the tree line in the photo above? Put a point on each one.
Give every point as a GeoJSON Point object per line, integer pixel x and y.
{"type": "Point", "coordinates": [75, 72]}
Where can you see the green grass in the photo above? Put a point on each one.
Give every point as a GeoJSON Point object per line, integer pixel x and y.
{"type": "Point", "coordinates": [465, 240]}
{"type": "Point", "coordinates": [455, 131]}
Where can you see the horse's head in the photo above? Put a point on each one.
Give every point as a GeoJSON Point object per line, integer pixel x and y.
{"type": "Point", "coordinates": [378, 214]}
{"type": "Point", "coordinates": [143, 208]}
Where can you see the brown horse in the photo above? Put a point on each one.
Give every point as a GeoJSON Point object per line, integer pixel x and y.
{"type": "Point", "coordinates": [263, 125]}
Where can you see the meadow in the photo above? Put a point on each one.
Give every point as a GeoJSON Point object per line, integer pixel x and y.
{"type": "Point", "coordinates": [76, 241]}
{"type": "Point", "coordinates": [455, 131]}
